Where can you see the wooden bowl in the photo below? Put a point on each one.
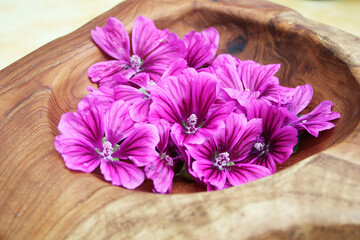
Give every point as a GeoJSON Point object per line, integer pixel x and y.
{"type": "Point", "coordinates": [315, 196]}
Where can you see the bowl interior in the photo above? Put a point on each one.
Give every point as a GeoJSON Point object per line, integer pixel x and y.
{"type": "Point", "coordinates": [303, 60]}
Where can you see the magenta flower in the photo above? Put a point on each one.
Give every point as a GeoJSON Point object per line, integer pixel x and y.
{"type": "Point", "coordinates": [186, 103]}
{"type": "Point", "coordinates": [201, 47]}
{"type": "Point", "coordinates": [218, 161]}
{"type": "Point", "coordinates": [246, 80]}
{"type": "Point", "coordinates": [91, 137]}
{"type": "Point", "coordinates": [318, 119]}
{"type": "Point", "coordinates": [295, 99]}
{"type": "Point", "coordinates": [277, 141]}
{"type": "Point", "coordinates": [161, 170]}
{"type": "Point", "coordinates": [152, 51]}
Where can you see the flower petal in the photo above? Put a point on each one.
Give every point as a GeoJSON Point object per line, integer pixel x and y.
{"type": "Point", "coordinates": [204, 93]}
{"type": "Point", "coordinates": [201, 47]}
{"type": "Point", "coordinates": [118, 124]}
{"type": "Point", "coordinates": [178, 135]}
{"type": "Point", "coordinates": [163, 106]}
{"type": "Point", "coordinates": [140, 145]}
{"type": "Point", "coordinates": [122, 174]}
{"type": "Point", "coordinates": [272, 116]}
{"type": "Point", "coordinates": [204, 152]}
{"type": "Point", "coordinates": [256, 77]}
{"type": "Point", "coordinates": [209, 173]}
{"type": "Point", "coordinates": [163, 128]}
{"type": "Point", "coordinates": [282, 143]}
{"type": "Point", "coordinates": [161, 174]}
{"type": "Point", "coordinates": [175, 68]}
{"type": "Point", "coordinates": [318, 119]}
{"type": "Point", "coordinates": [113, 39]}
{"type": "Point", "coordinates": [102, 72]}
{"type": "Point", "coordinates": [300, 98]}
{"type": "Point", "coordinates": [77, 153]}
{"type": "Point", "coordinates": [158, 61]}
{"type": "Point", "coordinates": [239, 136]}
{"type": "Point", "coordinates": [145, 36]}
{"type": "Point", "coordinates": [242, 173]}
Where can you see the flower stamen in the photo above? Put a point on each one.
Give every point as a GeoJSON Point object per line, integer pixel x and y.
{"type": "Point", "coordinates": [191, 124]}
{"type": "Point", "coordinates": [135, 62]}
{"type": "Point", "coordinates": [222, 160]}
{"type": "Point", "coordinates": [108, 150]}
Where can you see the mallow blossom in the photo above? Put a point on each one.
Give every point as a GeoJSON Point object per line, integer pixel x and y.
{"type": "Point", "coordinates": [186, 103]}
{"type": "Point", "coordinates": [91, 137]}
{"type": "Point", "coordinates": [219, 160]}
{"type": "Point", "coordinates": [152, 51]}
{"type": "Point", "coordinates": [276, 142]}
{"type": "Point", "coordinates": [246, 80]}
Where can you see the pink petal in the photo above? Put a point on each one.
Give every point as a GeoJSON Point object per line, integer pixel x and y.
{"type": "Point", "coordinates": [128, 93]}
{"type": "Point", "coordinates": [300, 99]}
{"type": "Point", "coordinates": [145, 36]}
{"type": "Point", "coordinates": [282, 143]}
{"type": "Point", "coordinates": [140, 109]}
{"type": "Point", "coordinates": [158, 61]}
{"type": "Point", "coordinates": [161, 174]}
{"type": "Point", "coordinates": [122, 173]}
{"type": "Point", "coordinates": [204, 152]}
{"type": "Point", "coordinates": [256, 77]}
{"type": "Point", "coordinates": [175, 68]}
{"type": "Point", "coordinates": [242, 173]}
{"type": "Point", "coordinates": [209, 173]}
{"type": "Point", "coordinates": [204, 93]}
{"type": "Point", "coordinates": [201, 47]}
{"type": "Point", "coordinates": [163, 106]}
{"type": "Point", "coordinates": [118, 124]}
{"type": "Point", "coordinates": [239, 135]}
{"type": "Point", "coordinates": [182, 138]}
{"type": "Point", "coordinates": [318, 119]}
{"type": "Point", "coordinates": [77, 153]}
{"type": "Point", "coordinates": [102, 72]}
{"type": "Point", "coordinates": [113, 39]}
{"type": "Point", "coordinates": [163, 128]}
{"type": "Point", "coordinates": [140, 145]}
{"type": "Point", "coordinates": [216, 116]}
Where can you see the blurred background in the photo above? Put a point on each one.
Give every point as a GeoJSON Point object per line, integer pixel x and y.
{"type": "Point", "coordinates": [26, 25]}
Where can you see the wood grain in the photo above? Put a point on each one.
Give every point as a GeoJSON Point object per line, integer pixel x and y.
{"type": "Point", "coordinates": [316, 195]}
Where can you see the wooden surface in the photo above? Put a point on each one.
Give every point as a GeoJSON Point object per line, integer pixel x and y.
{"type": "Point", "coordinates": [315, 196]}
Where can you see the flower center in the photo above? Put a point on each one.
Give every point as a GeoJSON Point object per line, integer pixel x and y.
{"type": "Point", "coordinates": [169, 160]}
{"type": "Point", "coordinates": [135, 62]}
{"type": "Point", "coordinates": [222, 160]}
{"type": "Point", "coordinates": [190, 124]}
{"type": "Point", "coordinates": [260, 146]}
{"type": "Point", "coordinates": [108, 150]}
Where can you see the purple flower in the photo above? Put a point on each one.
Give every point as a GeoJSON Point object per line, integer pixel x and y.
{"type": "Point", "coordinates": [246, 80]}
{"type": "Point", "coordinates": [152, 51]}
{"type": "Point", "coordinates": [161, 170]}
{"type": "Point", "coordinates": [296, 99]}
{"type": "Point", "coordinates": [277, 141]}
{"type": "Point", "coordinates": [186, 103]}
{"type": "Point", "coordinates": [201, 47]}
{"type": "Point", "coordinates": [318, 119]}
{"type": "Point", "coordinates": [218, 161]}
{"type": "Point", "coordinates": [83, 146]}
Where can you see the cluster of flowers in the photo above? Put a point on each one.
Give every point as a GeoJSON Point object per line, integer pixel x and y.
{"type": "Point", "coordinates": [166, 106]}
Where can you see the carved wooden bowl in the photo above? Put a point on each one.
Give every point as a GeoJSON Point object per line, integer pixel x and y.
{"type": "Point", "coordinates": [316, 194]}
